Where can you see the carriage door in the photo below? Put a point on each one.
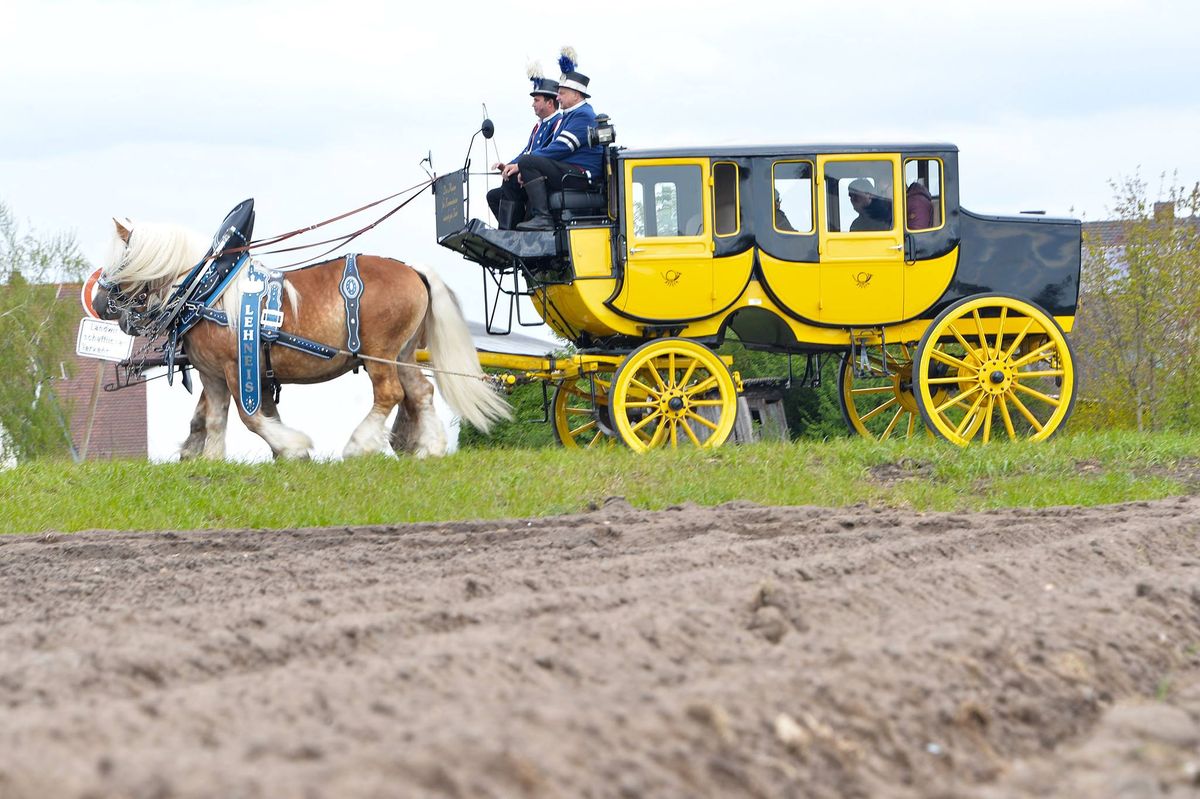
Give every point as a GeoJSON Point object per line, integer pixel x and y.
{"type": "Point", "coordinates": [668, 232]}
{"type": "Point", "coordinates": [861, 239]}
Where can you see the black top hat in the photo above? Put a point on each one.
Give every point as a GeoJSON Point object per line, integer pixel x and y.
{"type": "Point", "coordinates": [541, 84]}
{"type": "Point", "coordinates": [570, 78]}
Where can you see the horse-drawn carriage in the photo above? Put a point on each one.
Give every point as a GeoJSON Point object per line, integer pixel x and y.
{"type": "Point", "coordinates": [944, 320]}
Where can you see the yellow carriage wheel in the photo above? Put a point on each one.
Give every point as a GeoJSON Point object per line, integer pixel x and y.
{"type": "Point", "coordinates": [993, 366]}
{"type": "Point", "coordinates": [673, 393]}
{"type": "Point", "coordinates": [581, 412]}
{"type": "Point", "coordinates": [878, 402]}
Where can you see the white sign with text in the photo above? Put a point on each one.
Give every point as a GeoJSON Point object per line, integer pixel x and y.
{"type": "Point", "coordinates": [104, 340]}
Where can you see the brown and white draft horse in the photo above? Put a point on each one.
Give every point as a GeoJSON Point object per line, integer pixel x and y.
{"type": "Point", "coordinates": [402, 308]}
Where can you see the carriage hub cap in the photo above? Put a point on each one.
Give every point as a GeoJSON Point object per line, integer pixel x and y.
{"type": "Point", "coordinates": [672, 403]}
{"type": "Point", "coordinates": [996, 376]}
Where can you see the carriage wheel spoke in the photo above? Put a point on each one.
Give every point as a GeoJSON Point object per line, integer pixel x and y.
{"type": "Point", "coordinates": [873, 390]}
{"type": "Point", "coordinates": [1043, 373]}
{"type": "Point", "coordinates": [687, 375]}
{"type": "Point", "coordinates": [956, 400]}
{"type": "Point", "coordinates": [703, 386]}
{"type": "Point", "coordinates": [950, 360]}
{"type": "Point", "coordinates": [969, 416]}
{"type": "Point", "coordinates": [987, 419]}
{"type": "Point", "coordinates": [912, 422]}
{"type": "Point", "coordinates": [1046, 398]}
{"type": "Point", "coordinates": [983, 342]}
{"type": "Point", "coordinates": [649, 418]}
{"type": "Point", "coordinates": [645, 388]}
{"type": "Point", "coordinates": [1017, 341]}
{"type": "Point", "coordinates": [711, 425]}
{"type": "Point", "coordinates": [1004, 414]}
{"type": "Point", "coordinates": [1000, 330]}
{"type": "Point", "coordinates": [1033, 420]}
{"type": "Point", "coordinates": [660, 433]}
{"type": "Point", "coordinates": [658, 380]}
{"type": "Point", "coordinates": [687, 428]}
{"type": "Point", "coordinates": [583, 428]}
{"type": "Point", "coordinates": [968, 350]}
{"type": "Point", "coordinates": [1033, 356]}
{"type": "Point", "coordinates": [891, 425]}
{"type": "Point", "coordinates": [869, 415]}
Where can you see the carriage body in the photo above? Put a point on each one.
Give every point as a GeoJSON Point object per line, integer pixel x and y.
{"type": "Point", "coordinates": [693, 243]}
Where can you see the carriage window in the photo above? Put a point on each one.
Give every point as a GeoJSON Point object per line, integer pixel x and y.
{"type": "Point", "coordinates": [725, 199]}
{"type": "Point", "coordinates": [793, 185]}
{"type": "Point", "coordinates": [858, 196]}
{"type": "Point", "coordinates": [668, 201]}
{"type": "Point", "coordinates": [923, 193]}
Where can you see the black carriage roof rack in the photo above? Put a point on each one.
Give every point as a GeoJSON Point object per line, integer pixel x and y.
{"type": "Point", "coordinates": [744, 150]}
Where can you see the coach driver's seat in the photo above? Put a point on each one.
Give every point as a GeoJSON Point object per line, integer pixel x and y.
{"type": "Point", "coordinates": [580, 197]}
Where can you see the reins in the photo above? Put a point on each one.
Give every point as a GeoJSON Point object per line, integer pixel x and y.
{"type": "Point", "coordinates": [337, 241]}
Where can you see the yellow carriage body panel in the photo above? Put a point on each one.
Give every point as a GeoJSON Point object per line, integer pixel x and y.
{"type": "Point", "coordinates": [580, 304]}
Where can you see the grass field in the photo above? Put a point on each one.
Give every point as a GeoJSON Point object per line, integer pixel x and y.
{"type": "Point", "coordinates": [1079, 469]}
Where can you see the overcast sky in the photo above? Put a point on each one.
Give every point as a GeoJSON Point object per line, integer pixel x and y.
{"type": "Point", "coordinates": [176, 110]}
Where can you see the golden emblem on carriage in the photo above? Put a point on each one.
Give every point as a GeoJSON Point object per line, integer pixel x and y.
{"type": "Point", "coordinates": [961, 333]}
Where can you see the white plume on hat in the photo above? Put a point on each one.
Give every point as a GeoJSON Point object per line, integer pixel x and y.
{"type": "Point", "coordinates": [533, 69]}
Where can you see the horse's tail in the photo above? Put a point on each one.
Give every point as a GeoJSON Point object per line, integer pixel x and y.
{"type": "Point", "coordinates": [452, 350]}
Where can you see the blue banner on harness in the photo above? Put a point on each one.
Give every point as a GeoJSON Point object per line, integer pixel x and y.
{"type": "Point", "coordinates": [352, 289]}
{"type": "Point", "coordinates": [252, 286]}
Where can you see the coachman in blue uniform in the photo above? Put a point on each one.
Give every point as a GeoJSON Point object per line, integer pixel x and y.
{"type": "Point", "coordinates": [542, 169]}
{"type": "Point", "coordinates": [508, 201]}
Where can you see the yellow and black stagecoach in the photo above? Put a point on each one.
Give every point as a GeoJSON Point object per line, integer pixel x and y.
{"type": "Point", "coordinates": [944, 320]}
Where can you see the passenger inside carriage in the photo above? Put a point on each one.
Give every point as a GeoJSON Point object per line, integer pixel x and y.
{"type": "Point", "coordinates": [874, 211]}
{"type": "Point", "coordinates": [781, 220]}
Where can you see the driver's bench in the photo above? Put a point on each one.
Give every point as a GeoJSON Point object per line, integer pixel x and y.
{"type": "Point", "coordinates": [580, 197]}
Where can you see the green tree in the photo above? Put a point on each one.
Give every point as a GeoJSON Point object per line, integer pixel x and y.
{"type": "Point", "coordinates": [38, 332]}
{"type": "Point", "coordinates": [1138, 334]}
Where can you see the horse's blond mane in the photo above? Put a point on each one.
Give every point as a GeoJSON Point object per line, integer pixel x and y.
{"type": "Point", "coordinates": [157, 256]}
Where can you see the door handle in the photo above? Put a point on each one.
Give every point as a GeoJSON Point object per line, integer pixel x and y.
{"type": "Point", "coordinates": [636, 249]}
{"type": "Point", "coordinates": [896, 247]}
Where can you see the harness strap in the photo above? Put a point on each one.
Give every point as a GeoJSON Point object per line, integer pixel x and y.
{"type": "Point", "coordinates": [271, 321]}
{"type": "Point", "coordinates": [351, 288]}
{"type": "Point", "coordinates": [323, 351]}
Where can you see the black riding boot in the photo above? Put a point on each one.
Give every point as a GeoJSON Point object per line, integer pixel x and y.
{"type": "Point", "coordinates": [510, 214]}
{"type": "Point", "coordinates": [539, 206]}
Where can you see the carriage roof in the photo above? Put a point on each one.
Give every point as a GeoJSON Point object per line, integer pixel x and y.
{"type": "Point", "coordinates": [774, 150]}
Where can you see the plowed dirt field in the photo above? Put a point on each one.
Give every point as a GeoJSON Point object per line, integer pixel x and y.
{"type": "Point", "coordinates": [727, 652]}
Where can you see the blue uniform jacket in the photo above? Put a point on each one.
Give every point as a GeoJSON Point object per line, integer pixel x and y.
{"type": "Point", "coordinates": [541, 134]}
{"type": "Point", "coordinates": [570, 145]}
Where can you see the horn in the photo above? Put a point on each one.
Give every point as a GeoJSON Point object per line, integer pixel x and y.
{"type": "Point", "coordinates": [123, 231]}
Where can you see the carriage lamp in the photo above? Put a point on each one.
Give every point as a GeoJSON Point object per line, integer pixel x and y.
{"type": "Point", "coordinates": [603, 134]}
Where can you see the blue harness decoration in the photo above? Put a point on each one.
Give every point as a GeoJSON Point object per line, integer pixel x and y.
{"type": "Point", "coordinates": [249, 344]}
{"type": "Point", "coordinates": [257, 330]}
{"type": "Point", "coordinates": [352, 289]}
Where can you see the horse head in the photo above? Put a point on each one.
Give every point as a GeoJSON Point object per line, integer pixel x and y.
{"type": "Point", "coordinates": [115, 300]}
{"type": "Point", "coordinates": [140, 270]}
